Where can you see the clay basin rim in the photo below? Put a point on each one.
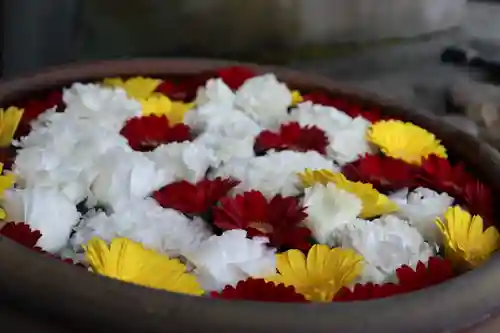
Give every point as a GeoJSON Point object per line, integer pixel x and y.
{"type": "Point", "coordinates": [42, 285]}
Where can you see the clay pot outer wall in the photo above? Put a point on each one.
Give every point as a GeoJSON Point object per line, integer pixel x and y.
{"type": "Point", "coordinates": [42, 287]}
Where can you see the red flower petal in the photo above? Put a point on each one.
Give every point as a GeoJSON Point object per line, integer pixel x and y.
{"type": "Point", "coordinates": [383, 172]}
{"type": "Point", "coordinates": [146, 133]}
{"type": "Point", "coordinates": [478, 199]}
{"type": "Point", "coordinates": [437, 270]}
{"type": "Point", "coordinates": [260, 290]}
{"type": "Point", "coordinates": [235, 76]}
{"type": "Point", "coordinates": [363, 292]}
{"type": "Point", "coordinates": [21, 233]}
{"type": "Point", "coordinates": [194, 199]}
{"type": "Point", "coordinates": [34, 108]}
{"type": "Point", "coordinates": [279, 219]}
{"type": "Point", "coordinates": [293, 136]}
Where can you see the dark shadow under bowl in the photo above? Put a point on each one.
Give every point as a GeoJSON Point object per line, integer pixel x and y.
{"type": "Point", "coordinates": [55, 297]}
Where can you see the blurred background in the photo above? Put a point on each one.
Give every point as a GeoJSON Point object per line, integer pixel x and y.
{"type": "Point", "coordinates": [391, 47]}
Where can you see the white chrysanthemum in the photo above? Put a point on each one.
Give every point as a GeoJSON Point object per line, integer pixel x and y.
{"type": "Point", "coordinates": [226, 259]}
{"type": "Point", "coordinates": [226, 148]}
{"type": "Point", "coordinates": [108, 107]}
{"type": "Point", "coordinates": [183, 161]}
{"type": "Point", "coordinates": [215, 91]}
{"type": "Point", "coordinates": [265, 100]}
{"type": "Point", "coordinates": [63, 155]}
{"type": "Point", "coordinates": [349, 143]}
{"type": "Point", "coordinates": [421, 207]}
{"type": "Point", "coordinates": [123, 176]}
{"type": "Point", "coordinates": [386, 244]}
{"type": "Point", "coordinates": [144, 221]}
{"type": "Point", "coordinates": [274, 173]}
{"type": "Point", "coordinates": [329, 208]}
{"type": "Point", "coordinates": [222, 119]}
{"type": "Point", "coordinates": [43, 209]}
{"type": "Point", "coordinates": [326, 118]}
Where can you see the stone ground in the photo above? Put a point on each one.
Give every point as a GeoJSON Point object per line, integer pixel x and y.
{"type": "Point", "coordinates": [411, 71]}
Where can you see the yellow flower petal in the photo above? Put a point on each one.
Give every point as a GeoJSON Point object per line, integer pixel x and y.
{"type": "Point", "coordinates": [405, 141]}
{"type": "Point", "coordinates": [3, 215]}
{"type": "Point", "coordinates": [136, 87]}
{"type": "Point", "coordinates": [130, 262]}
{"type": "Point", "coordinates": [374, 203]}
{"type": "Point", "coordinates": [9, 121]}
{"type": "Point", "coordinates": [466, 244]}
{"type": "Point", "coordinates": [321, 275]}
{"type": "Point", "coordinates": [297, 97]}
{"type": "Point", "coordinates": [161, 105]}
{"type": "Point", "coordinates": [6, 181]}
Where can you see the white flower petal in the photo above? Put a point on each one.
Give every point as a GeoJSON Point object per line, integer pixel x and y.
{"type": "Point", "coordinates": [226, 259]}
{"type": "Point", "coordinates": [46, 210]}
{"type": "Point", "coordinates": [215, 91]}
{"type": "Point", "coordinates": [328, 208]}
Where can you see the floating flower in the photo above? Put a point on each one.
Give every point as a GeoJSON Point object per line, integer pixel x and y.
{"type": "Point", "coordinates": [274, 173]}
{"type": "Point", "coordinates": [144, 221]}
{"type": "Point", "coordinates": [215, 91]}
{"type": "Point", "coordinates": [147, 133]}
{"type": "Point", "coordinates": [319, 276]}
{"type": "Point", "coordinates": [161, 105]}
{"type": "Point", "coordinates": [420, 208]}
{"type": "Point", "coordinates": [279, 219]}
{"type": "Point", "coordinates": [293, 136]}
{"type": "Point", "coordinates": [329, 208]}
{"type": "Point", "coordinates": [384, 173]}
{"type": "Point", "coordinates": [385, 244]}
{"type": "Point", "coordinates": [467, 245]}
{"type": "Point", "coordinates": [374, 203]}
{"type": "Point", "coordinates": [405, 141]}
{"type": "Point", "coordinates": [34, 108]}
{"type": "Point", "coordinates": [438, 174]}
{"type": "Point", "coordinates": [264, 99]}
{"type": "Point", "coordinates": [297, 97]}
{"type": "Point", "coordinates": [128, 261]}
{"type": "Point", "coordinates": [43, 209]}
{"type": "Point", "coordinates": [435, 272]}
{"type": "Point", "coordinates": [194, 199]}
{"type": "Point", "coordinates": [21, 233]}
{"type": "Point", "coordinates": [9, 120]}
{"type": "Point", "coordinates": [136, 87]}
{"type": "Point", "coordinates": [260, 290]}
{"type": "Point", "coordinates": [231, 257]}
{"type": "Point", "coordinates": [235, 76]}
{"type": "Point", "coordinates": [7, 180]}
{"type": "Point", "coordinates": [365, 292]}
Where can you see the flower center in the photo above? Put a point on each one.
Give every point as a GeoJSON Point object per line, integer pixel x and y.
{"type": "Point", "coordinates": [263, 227]}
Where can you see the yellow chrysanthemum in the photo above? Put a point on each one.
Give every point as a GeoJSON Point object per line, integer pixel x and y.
{"type": "Point", "coordinates": [374, 203]}
{"type": "Point", "coordinates": [297, 97]}
{"type": "Point", "coordinates": [6, 181]}
{"type": "Point", "coordinates": [322, 274]}
{"type": "Point", "coordinates": [136, 87]}
{"type": "Point", "coordinates": [466, 244]}
{"type": "Point", "coordinates": [9, 120]}
{"type": "Point", "coordinates": [130, 262]}
{"type": "Point", "coordinates": [405, 141]}
{"type": "Point", "coordinates": [161, 105]}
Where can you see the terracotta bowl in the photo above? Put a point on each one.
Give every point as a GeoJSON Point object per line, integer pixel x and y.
{"type": "Point", "coordinates": [54, 297]}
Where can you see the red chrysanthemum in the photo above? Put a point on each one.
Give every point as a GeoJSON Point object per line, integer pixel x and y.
{"type": "Point", "coordinates": [235, 76]}
{"type": "Point", "coordinates": [293, 136]}
{"type": "Point", "coordinates": [436, 271]}
{"type": "Point", "coordinates": [278, 219]}
{"type": "Point", "coordinates": [352, 109]}
{"type": "Point", "coordinates": [194, 199]}
{"type": "Point", "coordinates": [364, 292]}
{"type": "Point", "coordinates": [35, 107]}
{"type": "Point", "coordinates": [21, 233]}
{"type": "Point", "coordinates": [385, 173]}
{"type": "Point", "coordinates": [260, 290]}
{"type": "Point", "coordinates": [146, 133]}
{"type": "Point", "coordinates": [438, 174]}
